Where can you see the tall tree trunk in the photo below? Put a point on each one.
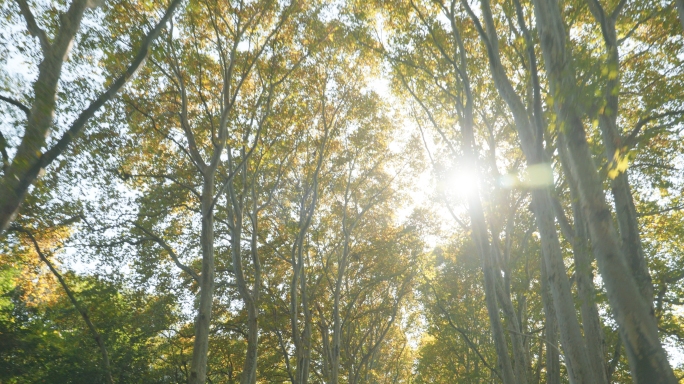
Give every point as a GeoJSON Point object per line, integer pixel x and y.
{"type": "Point", "coordinates": [571, 337]}
{"type": "Point", "coordinates": [198, 367]}
{"type": "Point", "coordinates": [638, 327]}
{"type": "Point", "coordinates": [249, 368]}
{"type": "Point", "coordinates": [480, 235]}
{"type": "Point", "coordinates": [584, 274]}
{"type": "Point", "coordinates": [299, 284]}
{"type": "Point", "coordinates": [250, 298]}
{"type": "Point", "coordinates": [625, 210]}
{"type": "Point", "coordinates": [516, 334]}
{"type": "Point", "coordinates": [551, 325]}
{"type": "Point", "coordinates": [22, 172]}
{"type": "Point", "coordinates": [531, 142]}
{"type": "Point", "coordinates": [337, 322]}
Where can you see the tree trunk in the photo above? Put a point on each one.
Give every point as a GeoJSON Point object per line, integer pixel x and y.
{"type": "Point", "coordinates": [551, 324]}
{"type": "Point", "coordinates": [584, 276]}
{"type": "Point", "coordinates": [638, 327]}
{"type": "Point", "coordinates": [625, 210]}
{"type": "Point", "coordinates": [29, 161]}
{"type": "Point", "coordinates": [198, 367]}
{"type": "Point", "coordinates": [531, 142]}
{"type": "Point", "coordinates": [516, 333]}
{"type": "Point", "coordinates": [571, 337]}
{"type": "Point", "coordinates": [250, 365]}
{"type": "Point", "coordinates": [21, 172]}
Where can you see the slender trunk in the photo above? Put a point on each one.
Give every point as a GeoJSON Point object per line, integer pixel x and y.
{"type": "Point", "coordinates": [250, 365]}
{"type": "Point", "coordinates": [14, 185]}
{"type": "Point", "coordinates": [551, 325]}
{"type": "Point", "coordinates": [298, 287]}
{"type": "Point", "coordinates": [628, 225]}
{"type": "Point", "coordinates": [248, 375]}
{"type": "Point", "coordinates": [337, 323]}
{"type": "Point", "coordinates": [250, 299]}
{"type": "Point", "coordinates": [198, 367]}
{"type": "Point", "coordinates": [584, 276]}
{"type": "Point", "coordinates": [305, 362]}
{"type": "Point", "coordinates": [571, 337]}
{"type": "Point", "coordinates": [625, 210]}
{"type": "Point", "coordinates": [591, 322]}
{"type": "Point", "coordinates": [303, 347]}
{"type": "Point", "coordinates": [480, 235]}
{"type": "Point", "coordinates": [638, 327]}
{"type": "Point", "coordinates": [515, 329]}
{"type": "Point", "coordinates": [253, 309]}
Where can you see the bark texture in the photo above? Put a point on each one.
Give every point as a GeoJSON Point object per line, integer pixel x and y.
{"type": "Point", "coordinates": [638, 327]}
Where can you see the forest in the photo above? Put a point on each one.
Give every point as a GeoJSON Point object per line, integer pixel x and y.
{"type": "Point", "coordinates": [342, 191]}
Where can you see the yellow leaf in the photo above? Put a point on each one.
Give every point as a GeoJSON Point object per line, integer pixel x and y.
{"type": "Point", "coordinates": [613, 74]}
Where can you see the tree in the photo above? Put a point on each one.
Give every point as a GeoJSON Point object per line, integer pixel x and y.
{"type": "Point", "coordinates": [29, 160]}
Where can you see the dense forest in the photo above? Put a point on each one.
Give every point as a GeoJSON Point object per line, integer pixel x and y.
{"type": "Point", "coordinates": [316, 191]}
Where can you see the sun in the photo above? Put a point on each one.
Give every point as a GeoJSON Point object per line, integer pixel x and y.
{"type": "Point", "coordinates": [462, 182]}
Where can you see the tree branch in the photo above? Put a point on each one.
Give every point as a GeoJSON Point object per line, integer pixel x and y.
{"type": "Point", "coordinates": [171, 252]}
{"type": "Point", "coordinates": [33, 27]}
{"type": "Point", "coordinates": [138, 61]}
{"type": "Point", "coordinates": [72, 298]}
{"type": "Point", "coordinates": [17, 104]}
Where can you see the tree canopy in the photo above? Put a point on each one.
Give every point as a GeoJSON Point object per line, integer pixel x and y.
{"type": "Point", "coordinates": [410, 191]}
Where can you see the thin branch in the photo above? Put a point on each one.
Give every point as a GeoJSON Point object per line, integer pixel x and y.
{"type": "Point", "coordinates": [631, 138]}
{"type": "Point", "coordinates": [659, 211]}
{"type": "Point", "coordinates": [33, 27]}
{"type": "Point", "coordinates": [72, 298]}
{"type": "Point", "coordinates": [171, 252]}
{"type": "Point", "coordinates": [17, 104]}
{"type": "Point", "coordinates": [462, 331]}
{"type": "Point", "coordinates": [138, 61]}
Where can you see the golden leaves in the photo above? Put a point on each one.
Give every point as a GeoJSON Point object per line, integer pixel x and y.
{"type": "Point", "coordinates": [620, 162]}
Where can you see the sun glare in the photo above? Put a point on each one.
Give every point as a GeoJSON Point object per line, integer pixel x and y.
{"type": "Point", "coordinates": [462, 183]}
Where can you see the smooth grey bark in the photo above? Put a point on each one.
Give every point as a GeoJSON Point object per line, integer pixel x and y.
{"type": "Point", "coordinates": [638, 327]}
{"type": "Point", "coordinates": [249, 297]}
{"type": "Point", "coordinates": [584, 274]}
{"type": "Point", "coordinates": [29, 160]}
{"type": "Point", "coordinates": [198, 367]}
{"type": "Point", "coordinates": [235, 212]}
{"type": "Point", "coordinates": [81, 310]}
{"type": "Point", "coordinates": [516, 334]}
{"type": "Point", "coordinates": [625, 209]}
{"type": "Point", "coordinates": [531, 141]}
{"type": "Point", "coordinates": [551, 324]}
